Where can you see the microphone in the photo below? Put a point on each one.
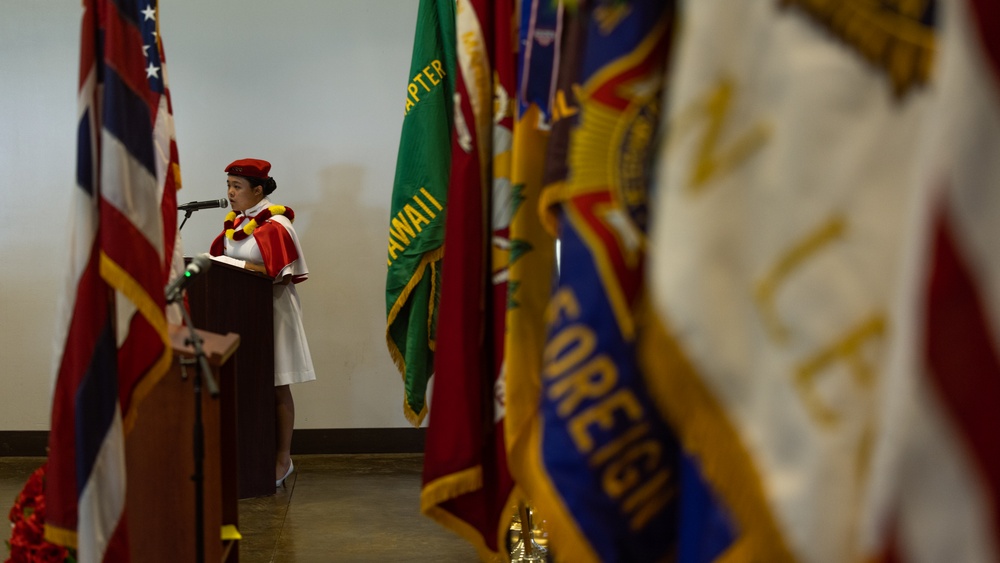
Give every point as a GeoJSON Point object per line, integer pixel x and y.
{"type": "Point", "coordinates": [196, 205]}
{"type": "Point", "coordinates": [199, 264]}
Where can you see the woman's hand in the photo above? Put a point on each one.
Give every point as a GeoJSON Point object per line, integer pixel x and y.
{"type": "Point", "coordinates": [255, 267]}
{"type": "Point", "coordinates": [284, 280]}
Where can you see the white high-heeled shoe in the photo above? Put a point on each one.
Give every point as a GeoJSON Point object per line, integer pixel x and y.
{"type": "Point", "coordinates": [281, 482]}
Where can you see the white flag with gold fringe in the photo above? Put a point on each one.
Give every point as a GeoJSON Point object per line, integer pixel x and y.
{"type": "Point", "coordinates": [781, 192]}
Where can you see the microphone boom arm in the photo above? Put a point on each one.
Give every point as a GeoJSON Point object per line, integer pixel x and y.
{"type": "Point", "coordinates": [191, 207]}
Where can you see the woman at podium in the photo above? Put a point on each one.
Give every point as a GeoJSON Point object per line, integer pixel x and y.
{"type": "Point", "coordinates": [261, 235]}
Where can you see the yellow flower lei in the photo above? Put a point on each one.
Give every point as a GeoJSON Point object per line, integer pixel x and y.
{"type": "Point", "coordinates": [248, 229]}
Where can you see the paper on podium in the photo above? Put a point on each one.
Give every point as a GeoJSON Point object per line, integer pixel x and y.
{"type": "Point", "coordinates": [231, 261]}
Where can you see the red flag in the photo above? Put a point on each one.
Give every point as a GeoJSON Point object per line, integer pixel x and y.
{"type": "Point", "coordinates": [467, 485]}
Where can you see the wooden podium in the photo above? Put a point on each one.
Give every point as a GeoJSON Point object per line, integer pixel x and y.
{"type": "Point", "coordinates": [229, 299]}
{"type": "Point", "coordinates": [160, 461]}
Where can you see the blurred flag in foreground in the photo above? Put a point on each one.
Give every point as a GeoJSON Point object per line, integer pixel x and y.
{"type": "Point", "coordinates": [793, 136]}
{"type": "Point", "coordinates": [530, 251]}
{"type": "Point", "coordinates": [532, 248]}
{"type": "Point", "coordinates": [419, 196]}
{"type": "Point", "coordinates": [605, 477]}
{"type": "Point", "coordinates": [122, 241]}
{"type": "Point", "coordinates": [935, 490]}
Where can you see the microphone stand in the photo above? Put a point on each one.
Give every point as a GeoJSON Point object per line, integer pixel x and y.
{"type": "Point", "coordinates": [202, 370]}
{"type": "Point", "coordinates": [189, 208]}
{"type": "Point", "coordinates": [187, 215]}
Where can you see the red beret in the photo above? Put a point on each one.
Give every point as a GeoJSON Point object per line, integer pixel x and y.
{"type": "Point", "coordinates": [251, 167]}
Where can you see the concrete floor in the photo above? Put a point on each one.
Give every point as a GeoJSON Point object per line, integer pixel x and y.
{"type": "Point", "coordinates": [350, 508]}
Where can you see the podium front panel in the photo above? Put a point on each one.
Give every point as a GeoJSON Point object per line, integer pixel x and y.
{"type": "Point", "coordinates": [230, 299]}
{"type": "Point", "coordinates": [160, 460]}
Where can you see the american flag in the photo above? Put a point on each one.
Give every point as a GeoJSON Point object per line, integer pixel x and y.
{"type": "Point", "coordinates": [123, 248]}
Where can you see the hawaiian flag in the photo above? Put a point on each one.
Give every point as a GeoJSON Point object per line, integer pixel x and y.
{"type": "Point", "coordinates": [123, 238]}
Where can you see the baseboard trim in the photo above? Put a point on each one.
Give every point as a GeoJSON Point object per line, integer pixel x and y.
{"type": "Point", "coordinates": [358, 441]}
{"type": "Point", "coordinates": [33, 443]}
{"type": "Point", "coordinates": [24, 443]}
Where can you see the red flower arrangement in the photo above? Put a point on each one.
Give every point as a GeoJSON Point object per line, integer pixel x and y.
{"type": "Point", "coordinates": [27, 538]}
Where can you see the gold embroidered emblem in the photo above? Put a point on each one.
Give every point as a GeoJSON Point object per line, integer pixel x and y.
{"type": "Point", "coordinates": [895, 35]}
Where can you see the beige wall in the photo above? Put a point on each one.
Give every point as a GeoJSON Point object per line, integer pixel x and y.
{"type": "Point", "coordinates": [316, 87]}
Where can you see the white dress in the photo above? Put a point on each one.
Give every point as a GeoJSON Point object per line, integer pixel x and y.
{"type": "Point", "coordinates": [292, 360]}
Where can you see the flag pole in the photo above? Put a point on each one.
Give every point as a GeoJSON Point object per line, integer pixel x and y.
{"type": "Point", "coordinates": [526, 534]}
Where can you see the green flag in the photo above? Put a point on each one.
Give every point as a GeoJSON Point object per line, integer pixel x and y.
{"type": "Point", "coordinates": [419, 194]}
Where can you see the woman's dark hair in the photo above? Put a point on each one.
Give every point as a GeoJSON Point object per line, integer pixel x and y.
{"type": "Point", "coordinates": [268, 184]}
